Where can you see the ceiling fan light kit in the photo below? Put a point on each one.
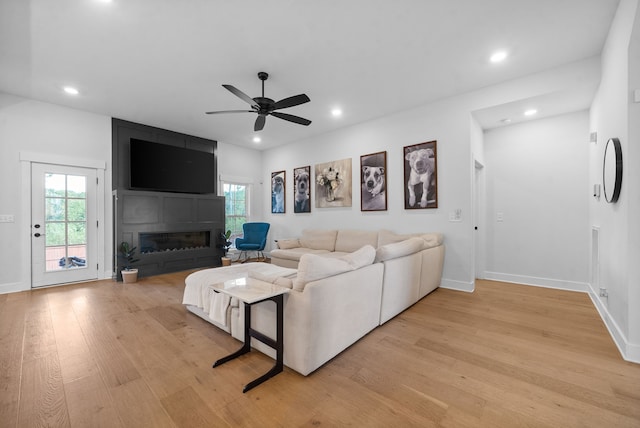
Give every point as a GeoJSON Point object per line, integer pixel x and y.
{"type": "Point", "coordinates": [264, 106]}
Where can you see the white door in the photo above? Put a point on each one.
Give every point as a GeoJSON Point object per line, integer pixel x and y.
{"type": "Point", "coordinates": [478, 220]}
{"type": "Point", "coordinates": [63, 224]}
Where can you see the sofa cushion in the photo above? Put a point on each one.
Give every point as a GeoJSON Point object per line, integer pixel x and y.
{"type": "Point", "coordinates": [349, 241]}
{"type": "Point", "coordinates": [317, 239]}
{"type": "Point", "coordinates": [399, 249]}
{"type": "Point", "coordinates": [286, 244]}
{"type": "Point", "coordinates": [295, 253]}
{"type": "Point", "coordinates": [313, 267]}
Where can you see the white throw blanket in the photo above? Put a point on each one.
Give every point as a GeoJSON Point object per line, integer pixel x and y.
{"type": "Point", "coordinates": [198, 291]}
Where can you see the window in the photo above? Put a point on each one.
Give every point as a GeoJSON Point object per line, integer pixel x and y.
{"type": "Point", "coordinates": [236, 208]}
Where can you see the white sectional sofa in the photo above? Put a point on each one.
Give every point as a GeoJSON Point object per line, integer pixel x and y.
{"type": "Point", "coordinates": [344, 283]}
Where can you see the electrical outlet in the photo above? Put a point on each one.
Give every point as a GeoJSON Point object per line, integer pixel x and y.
{"type": "Point", "coordinates": [500, 216]}
{"type": "Point", "coordinates": [7, 218]}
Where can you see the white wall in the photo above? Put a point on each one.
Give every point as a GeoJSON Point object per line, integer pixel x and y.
{"type": "Point", "coordinates": [64, 134]}
{"type": "Point", "coordinates": [448, 122]}
{"type": "Point", "coordinates": [536, 177]}
{"type": "Point", "coordinates": [244, 165]}
{"type": "Point", "coordinates": [633, 176]}
{"type": "Point", "coordinates": [614, 115]}
{"type": "Point", "coordinates": [442, 122]}
{"type": "Point", "coordinates": [58, 132]}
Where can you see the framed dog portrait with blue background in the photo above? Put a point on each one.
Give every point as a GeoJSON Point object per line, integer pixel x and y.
{"type": "Point", "coordinates": [278, 192]}
{"type": "Point", "coordinates": [373, 182]}
{"type": "Point", "coordinates": [302, 189]}
{"type": "Point", "coordinates": [421, 176]}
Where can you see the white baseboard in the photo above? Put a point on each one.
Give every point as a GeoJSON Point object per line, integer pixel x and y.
{"type": "Point", "coordinates": [538, 282]}
{"type": "Point", "coordinates": [13, 287]}
{"type": "Point", "coordinates": [457, 285]}
{"type": "Point", "coordinates": [629, 351]}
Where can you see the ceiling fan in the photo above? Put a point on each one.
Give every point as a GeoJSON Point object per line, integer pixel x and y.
{"type": "Point", "coordinates": [266, 106]}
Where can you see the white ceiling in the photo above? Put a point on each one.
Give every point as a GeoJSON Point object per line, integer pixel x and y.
{"type": "Point", "coordinates": [162, 62]}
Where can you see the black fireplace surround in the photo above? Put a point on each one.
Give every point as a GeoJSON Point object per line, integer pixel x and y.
{"type": "Point", "coordinates": [172, 231]}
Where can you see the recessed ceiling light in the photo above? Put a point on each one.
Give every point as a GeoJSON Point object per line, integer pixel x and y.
{"type": "Point", "coordinates": [505, 120]}
{"type": "Point", "coordinates": [336, 112]}
{"type": "Point", "coordinates": [498, 57]}
{"type": "Point", "coordinates": [530, 112]}
{"type": "Point", "coordinates": [70, 90]}
{"type": "Point", "coordinates": [257, 139]}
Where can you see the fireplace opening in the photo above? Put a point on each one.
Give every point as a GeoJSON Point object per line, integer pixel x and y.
{"type": "Point", "coordinates": [159, 242]}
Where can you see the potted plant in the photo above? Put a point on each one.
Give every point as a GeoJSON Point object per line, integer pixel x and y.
{"type": "Point", "coordinates": [127, 253]}
{"type": "Point", "coordinates": [226, 243]}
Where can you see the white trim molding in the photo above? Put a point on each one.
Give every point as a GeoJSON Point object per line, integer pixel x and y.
{"type": "Point", "coordinates": [629, 351]}
{"type": "Point", "coordinates": [451, 284]}
{"type": "Point", "coordinates": [559, 284]}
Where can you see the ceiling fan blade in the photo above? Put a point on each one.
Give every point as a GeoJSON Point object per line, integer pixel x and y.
{"type": "Point", "coordinates": [238, 93]}
{"type": "Point", "coordinates": [259, 122]}
{"type": "Point", "coordinates": [292, 118]}
{"type": "Point", "coordinates": [291, 101]}
{"type": "Point", "coordinates": [229, 111]}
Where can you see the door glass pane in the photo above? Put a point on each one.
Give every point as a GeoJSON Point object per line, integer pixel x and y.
{"type": "Point", "coordinates": [77, 210]}
{"type": "Point", "coordinates": [77, 233]}
{"type": "Point", "coordinates": [55, 209]}
{"type": "Point", "coordinates": [76, 186]}
{"type": "Point", "coordinates": [65, 221]}
{"type": "Point", "coordinates": [54, 185]}
{"type": "Point", "coordinates": [55, 234]}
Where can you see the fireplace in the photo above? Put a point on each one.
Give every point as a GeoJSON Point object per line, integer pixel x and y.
{"type": "Point", "coordinates": [171, 231]}
{"type": "Point", "coordinates": [157, 242]}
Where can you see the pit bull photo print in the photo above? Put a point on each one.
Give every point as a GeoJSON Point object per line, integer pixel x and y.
{"type": "Point", "coordinates": [373, 182]}
{"type": "Point", "coordinates": [302, 189]}
{"type": "Point", "coordinates": [277, 192]}
{"type": "Point", "coordinates": [421, 176]}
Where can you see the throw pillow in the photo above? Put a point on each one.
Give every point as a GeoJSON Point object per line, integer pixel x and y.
{"type": "Point", "coordinates": [287, 244]}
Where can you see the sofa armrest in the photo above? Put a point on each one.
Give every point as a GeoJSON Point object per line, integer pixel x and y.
{"type": "Point", "coordinates": [399, 249]}
{"type": "Point", "coordinates": [330, 315]}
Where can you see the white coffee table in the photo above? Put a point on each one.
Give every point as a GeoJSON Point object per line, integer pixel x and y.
{"type": "Point", "coordinates": [252, 291]}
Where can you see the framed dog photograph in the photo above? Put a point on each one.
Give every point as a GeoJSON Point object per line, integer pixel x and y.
{"type": "Point", "coordinates": [421, 176]}
{"type": "Point", "coordinates": [373, 182]}
{"type": "Point", "coordinates": [278, 192]}
{"type": "Point", "coordinates": [302, 189]}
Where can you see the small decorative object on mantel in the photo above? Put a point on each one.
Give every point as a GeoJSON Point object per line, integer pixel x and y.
{"type": "Point", "coordinates": [421, 176]}
{"type": "Point", "coordinates": [127, 253]}
{"type": "Point", "coordinates": [333, 184]}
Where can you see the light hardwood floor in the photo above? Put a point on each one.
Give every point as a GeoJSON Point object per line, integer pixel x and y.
{"type": "Point", "coordinates": [115, 355]}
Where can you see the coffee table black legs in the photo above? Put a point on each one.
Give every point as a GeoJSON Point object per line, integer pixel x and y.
{"type": "Point", "coordinates": [276, 344]}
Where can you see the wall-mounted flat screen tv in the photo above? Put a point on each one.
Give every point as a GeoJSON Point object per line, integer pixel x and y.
{"type": "Point", "coordinates": [165, 168]}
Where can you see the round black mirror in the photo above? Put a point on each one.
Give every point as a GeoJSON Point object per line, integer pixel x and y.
{"type": "Point", "coordinates": [612, 170]}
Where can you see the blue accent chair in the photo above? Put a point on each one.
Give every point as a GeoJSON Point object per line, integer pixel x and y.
{"type": "Point", "coordinates": [255, 239]}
